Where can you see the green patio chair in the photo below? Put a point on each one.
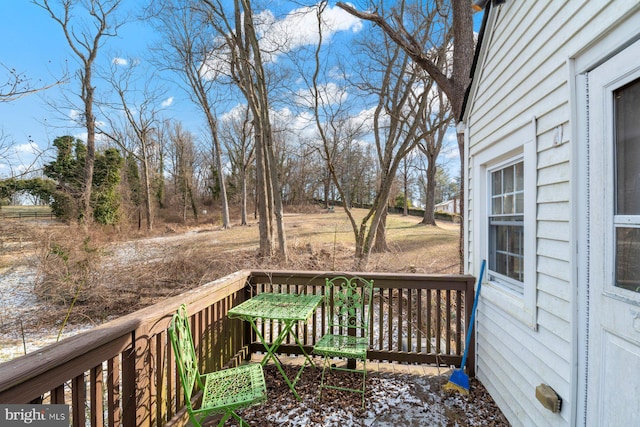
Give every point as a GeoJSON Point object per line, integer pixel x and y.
{"type": "Point", "coordinates": [348, 310]}
{"type": "Point", "coordinates": [223, 391]}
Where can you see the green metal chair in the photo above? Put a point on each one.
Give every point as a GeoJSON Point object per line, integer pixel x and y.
{"type": "Point", "coordinates": [348, 310]}
{"type": "Point", "coordinates": [223, 391]}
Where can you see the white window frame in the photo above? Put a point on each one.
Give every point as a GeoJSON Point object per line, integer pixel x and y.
{"type": "Point", "coordinates": [518, 146]}
{"type": "Point", "coordinates": [618, 221]}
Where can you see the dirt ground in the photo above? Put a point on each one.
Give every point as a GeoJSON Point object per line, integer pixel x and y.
{"type": "Point", "coordinates": [391, 400]}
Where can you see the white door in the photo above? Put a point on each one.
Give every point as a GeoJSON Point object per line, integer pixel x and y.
{"type": "Point", "coordinates": [613, 361]}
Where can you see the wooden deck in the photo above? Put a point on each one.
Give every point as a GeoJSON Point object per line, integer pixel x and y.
{"type": "Point", "coordinates": [407, 408]}
{"type": "Point", "coordinates": [123, 372]}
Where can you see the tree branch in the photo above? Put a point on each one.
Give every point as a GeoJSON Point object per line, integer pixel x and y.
{"type": "Point", "coordinates": [408, 44]}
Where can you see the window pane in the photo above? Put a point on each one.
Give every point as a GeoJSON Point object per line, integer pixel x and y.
{"type": "Point", "coordinates": [628, 258]}
{"type": "Point", "coordinates": [508, 179]}
{"type": "Point", "coordinates": [519, 203]}
{"type": "Point", "coordinates": [496, 206]}
{"type": "Point", "coordinates": [508, 204]}
{"type": "Point", "coordinates": [516, 272]}
{"type": "Point", "coordinates": [501, 238]}
{"type": "Point", "coordinates": [519, 176]}
{"type": "Point", "coordinates": [496, 183]}
{"type": "Point", "coordinates": [515, 240]}
{"type": "Point", "coordinates": [627, 128]}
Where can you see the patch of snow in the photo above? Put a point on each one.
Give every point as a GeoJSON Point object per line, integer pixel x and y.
{"type": "Point", "coordinates": [17, 302]}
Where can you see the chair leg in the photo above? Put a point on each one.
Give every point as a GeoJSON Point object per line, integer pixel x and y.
{"type": "Point", "coordinates": [364, 379]}
{"type": "Point", "coordinates": [224, 418]}
{"type": "Point", "coordinates": [195, 421]}
{"type": "Point", "coordinates": [324, 369]}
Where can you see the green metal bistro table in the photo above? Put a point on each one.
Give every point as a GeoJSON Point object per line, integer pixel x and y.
{"type": "Point", "coordinates": [289, 309]}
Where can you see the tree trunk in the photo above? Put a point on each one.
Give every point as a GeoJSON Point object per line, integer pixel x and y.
{"type": "Point", "coordinates": [226, 222]}
{"type": "Point", "coordinates": [381, 233]}
{"type": "Point", "coordinates": [243, 196]}
{"type": "Point", "coordinates": [429, 217]}
{"type": "Point", "coordinates": [147, 190]}
{"type": "Point", "coordinates": [264, 225]}
{"type": "Point", "coordinates": [86, 212]}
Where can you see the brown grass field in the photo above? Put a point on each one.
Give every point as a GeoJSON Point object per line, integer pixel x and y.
{"type": "Point", "coordinates": [107, 272]}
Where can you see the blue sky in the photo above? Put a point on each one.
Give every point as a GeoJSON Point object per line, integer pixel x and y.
{"type": "Point", "coordinates": [34, 44]}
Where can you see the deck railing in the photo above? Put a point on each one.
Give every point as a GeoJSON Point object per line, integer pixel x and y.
{"type": "Point", "coordinates": [123, 372]}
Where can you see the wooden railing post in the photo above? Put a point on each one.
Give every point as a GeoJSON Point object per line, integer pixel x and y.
{"type": "Point", "coordinates": [129, 402]}
{"type": "Point", "coordinates": [468, 307]}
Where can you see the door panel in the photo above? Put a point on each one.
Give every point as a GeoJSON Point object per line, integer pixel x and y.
{"type": "Point", "coordinates": [619, 381]}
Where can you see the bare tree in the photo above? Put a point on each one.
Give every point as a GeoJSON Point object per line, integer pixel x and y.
{"type": "Point", "coordinates": [237, 136]}
{"type": "Point", "coordinates": [434, 125]}
{"type": "Point", "coordinates": [190, 50]}
{"type": "Point", "coordinates": [247, 70]}
{"type": "Point", "coordinates": [96, 21]}
{"type": "Point", "coordinates": [183, 161]}
{"type": "Point", "coordinates": [390, 76]}
{"type": "Point", "coordinates": [454, 85]}
{"type": "Point", "coordinates": [136, 121]}
{"type": "Point", "coordinates": [406, 169]}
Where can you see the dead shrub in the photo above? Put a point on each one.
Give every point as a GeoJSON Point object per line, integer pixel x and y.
{"type": "Point", "coordinates": [67, 261]}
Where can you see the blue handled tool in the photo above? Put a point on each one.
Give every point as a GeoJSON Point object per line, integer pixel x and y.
{"type": "Point", "coordinates": [459, 381]}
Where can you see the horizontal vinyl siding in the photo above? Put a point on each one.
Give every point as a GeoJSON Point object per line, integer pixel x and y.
{"type": "Point", "coordinates": [524, 75]}
{"type": "Point", "coordinates": [502, 342]}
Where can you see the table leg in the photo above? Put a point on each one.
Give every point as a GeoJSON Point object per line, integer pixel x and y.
{"type": "Point", "coordinates": [271, 353]}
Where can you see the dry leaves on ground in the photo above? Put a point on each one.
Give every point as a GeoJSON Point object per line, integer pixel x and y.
{"type": "Point", "coordinates": [391, 400]}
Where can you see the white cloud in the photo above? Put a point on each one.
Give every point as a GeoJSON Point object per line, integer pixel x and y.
{"type": "Point", "coordinates": [28, 148]}
{"type": "Point", "coordinates": [236, 113]}
{"type": "Point", "coordinates": [300, 28]}
{"type": "Point", "coordinates": [119, 61]}
{"type": "Point", "coordinates": [75, 114]}
{"type": "Point", "coordinates": [167, 102]}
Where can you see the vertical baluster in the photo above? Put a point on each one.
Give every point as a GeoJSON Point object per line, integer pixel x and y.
{"type": "Point", "coordinates": [410, 319]}
{"type": "Point", "coordinates": [96, 396]}
{"type": "Point", "coordinates": [419, 332]}
{"type": "Point", "coordinates": [390, 319]}
{"type": "Point", "coordinates": [270, 288]}
{"type": "Point", "coordinates": [78, 399]}
{"type": "Point", "coordinates": [400, 293]}
{"type": "Point", "coordinates": [57, 395]}
{"type": "Point", "coordinates": [381, 319]}
{"type": "Point", "coordinates": [448, 322]}
{"type": "Point", "coordinates": [459, 323]}
{"type": "Point", "coordinates": [160, 369]}
{"type": "Point", "coordinates": [220, 313]}
{"type": "Point", "coordinates": [429, 325]}
{"type": "Point", "coordinates": [113, 391]}
{"type": "Point", "coordinates": [438, 332]}
{"type": "Point", "coordinates": [314, 319]}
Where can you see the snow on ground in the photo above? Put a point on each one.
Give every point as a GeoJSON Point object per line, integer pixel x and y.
{"type": "Point", "coordinates": [392, 399]}
{"type": "Point", "coordinates": [17, 302]}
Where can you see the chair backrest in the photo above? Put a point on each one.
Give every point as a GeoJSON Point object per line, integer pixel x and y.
{"type": "Point", "coordinates": [185, 352]}
{"type": "Point", "coordinates": [348, 304]}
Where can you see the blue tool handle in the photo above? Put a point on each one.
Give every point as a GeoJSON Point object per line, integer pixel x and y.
{"type": "Point", "coordinates": [473, 316]}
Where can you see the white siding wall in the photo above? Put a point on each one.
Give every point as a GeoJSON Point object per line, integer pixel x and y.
{"type": "Point", "coordinates": [524, 74]}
